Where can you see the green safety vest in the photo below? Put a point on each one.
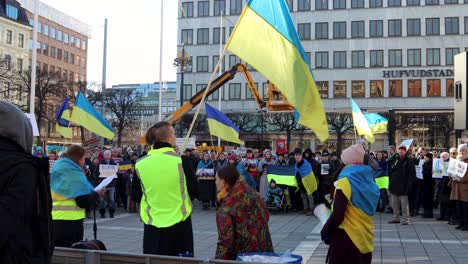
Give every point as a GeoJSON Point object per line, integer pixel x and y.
{"type": "Point", "coordinates": [67, 210]}
{"type": "Point", "coordinates": [165, 200]}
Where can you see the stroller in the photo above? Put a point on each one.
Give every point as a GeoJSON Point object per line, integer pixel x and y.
{"type": "Point", "coordinates": [284, 177]}
{"type": "Point", "coordinates": [284, 201]}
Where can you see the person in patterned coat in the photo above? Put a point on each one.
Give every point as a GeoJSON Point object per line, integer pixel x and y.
{"type": "Point", "coordinates": [242, 217]}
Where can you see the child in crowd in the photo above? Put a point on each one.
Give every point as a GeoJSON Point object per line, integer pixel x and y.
{"type": "Point", "coordinates": [274, 194]}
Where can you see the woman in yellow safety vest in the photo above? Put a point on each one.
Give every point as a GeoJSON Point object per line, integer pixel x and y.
{"type": "Point", "coordinates": [71, 194]}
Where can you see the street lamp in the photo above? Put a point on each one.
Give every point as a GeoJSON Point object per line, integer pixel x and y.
{"type": "Point", "coordinates": [183, 60]}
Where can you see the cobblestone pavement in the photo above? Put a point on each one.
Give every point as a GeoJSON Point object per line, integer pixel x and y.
{"type": "Point", "coordinates": [424, 241]}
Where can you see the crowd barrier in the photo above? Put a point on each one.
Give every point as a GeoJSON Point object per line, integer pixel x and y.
{"type": "Point", "coordinates": [78, 256]}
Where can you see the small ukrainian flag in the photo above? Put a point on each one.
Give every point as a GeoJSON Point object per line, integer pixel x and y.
{"type": "Point", "coordinates": [221, 126]}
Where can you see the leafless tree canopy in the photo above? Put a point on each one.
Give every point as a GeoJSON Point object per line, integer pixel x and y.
{"type": "Point", "coordinates": [340, 123]}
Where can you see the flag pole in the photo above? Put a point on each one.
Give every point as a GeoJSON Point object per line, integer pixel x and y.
{"type": "Point", "coordinates": [220, 68]}
{"type": "Point", "coordinates": [32, 99]}
{"type": "Point", "coordinates": [160, 63]}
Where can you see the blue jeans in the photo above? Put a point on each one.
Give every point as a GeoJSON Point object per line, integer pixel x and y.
{"type": "Point", "coordinates": [108, 200]}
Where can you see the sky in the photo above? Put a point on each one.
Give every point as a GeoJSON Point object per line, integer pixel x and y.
{"type": "Point", "coordinates": [133, 38]}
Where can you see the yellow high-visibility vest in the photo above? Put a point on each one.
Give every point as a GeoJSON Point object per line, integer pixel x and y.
{"type": "Point", "coordinates": [165, 200]}
{"type": "Point", "coordinates": [67, 210]}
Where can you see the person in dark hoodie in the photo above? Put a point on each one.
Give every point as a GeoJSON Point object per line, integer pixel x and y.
{"type": "Point", "coordinates": [427, 186]}
{"type": "Point", "coordinates": [26, 234]}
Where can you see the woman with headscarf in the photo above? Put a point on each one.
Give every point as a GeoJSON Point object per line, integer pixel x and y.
{"type": "Point", "coordinates": [267, 160]}
{"type": "Point", "coordinates": [460, 191]}
{"type": "Point", "coordinates": [350, 229]}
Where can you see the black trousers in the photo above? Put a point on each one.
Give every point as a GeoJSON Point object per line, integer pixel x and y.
{"type": "Point", "coordinates": [67, 232]}
{"type": "Point", "coordinates": [170, 241]}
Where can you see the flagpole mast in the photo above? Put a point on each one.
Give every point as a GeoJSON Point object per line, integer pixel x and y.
{"type": "Point", "coordinates": [160, 63]}
{"type": "Point", "coordinates": [32, 99]}
{"type": "Point", "coordinates": [220, 68]}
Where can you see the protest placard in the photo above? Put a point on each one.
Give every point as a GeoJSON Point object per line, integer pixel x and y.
{"type": "Point", "coordinates": [419, 173]}
{"type": "Point", "coordinates": [437, 168]}
{"type": "Point", "coordinates": [108, 170]}
{"type": "Point", "coordinates": [457, 168]}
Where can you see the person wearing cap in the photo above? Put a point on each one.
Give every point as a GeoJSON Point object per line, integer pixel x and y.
{"type": "Point", "coordinates": [349, 231]}
{"type": "Point", "coordinates": [273, 194]}
{"type": "Point", "coordinates": [325, 176]}
{"type": "Point", "coordinates": [402, 175]}
{"type": "Point", "coordinates": [281, 161]}
{"type": "Point", "coordinates": [307, 198]}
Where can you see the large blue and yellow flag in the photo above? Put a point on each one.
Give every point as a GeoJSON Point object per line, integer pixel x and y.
{"type": "Point", "coordinates": [377, 123]}
{"type": "Point", "coordinates": [307, 177]}
{"type": "Point", "coordinates": [68, 181]}
{"type": "Point", "coordinates": [284, 175]}
{"type": "Point", "coordinates": [221, 126]}
{"type": "Point", "coordinates": [86, 116]}
{"type": "Point", "coordinates": [360, 123]}
{"type": "Point", "coordinates": [266, 38]}
{"type": "Point", "coordinates": [358, 185]}
{"type": "Point", "coordinates": [63, 120]}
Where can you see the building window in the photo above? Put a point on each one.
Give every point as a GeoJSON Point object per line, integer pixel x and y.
{"type": "Point", "coordinates": [59, 54]}
{"type": "Point", "coordinates": [248, 91]}
{"type": "Point", "coordinates": [202, 63]}
{"type": "Point", "coordinates": [19, 64]}
{"type": "Point", "coordinates": [59, 35]}
{"type": "Point", "coordinates": [72, 59]}
{"type": "Point", "coordinates": [394, 2]}
{"type": "Point", "coordinates": [303, 5]}
{"type": "Point", "coordinates": [303, 30]}
{"type": "Point", "coordinates": [413, 27]}
{"type": "Point", "coordinates": [357, 29]}
{"type": "Point", "coordinates": [199, 87]}
{"type": "Point", "coordinates": [339, 4]}
{"type": "Point", "coordinates": [433, 57]}
{"type": "Point", "coordinates": [203, 36]}
{"type": "Point", "coordinates": [45, 49]}
{"type": "Point", "coordinates": [375, 3]}
{"type": "Point", "coordinates": [52, 32]}
{"type": "Point", "coordinates": [414, 57]}
{"type": "Point", "coordinates": [414, 88]}
{"type": "Point", "coordinates": [376, 28]}
{"type": "Point", "coordinates": [52, 52]}
{"type": "Point", "coordinates": [216, 35]}
{"type": "Point", "coordinates": [264, 92]}
{"type": "Point", "coordinates": [215, 61]}
{"type": "Point", "coordinates": [236, 7]}
{"type": "Point", "coordinates": [451, 25]}
{"type": "Point", "coordinates": [339, 30]}
{"type": "Point", "coordinates": [233, 60]}
{"type": "Point", "coordinates": [339, 89]}
{"type": "Point", "coordinates": [12, 12]}
{"type": "Point", "coordinates": [358, 60]}
{"type": "Point", "coordinates": [65, 56]}
{"type": "Point", "coordinates": [377, 88]}
{"type": "Point", "coordinates": [394, 59]}
{"type": "Point", "coordinates": [432, 26]}
{"type": "Point", "coordinates": [39, 27]}
{"type": "Point", "coordinates": [450, 54]}
{"type": "Point", "coordinates": [9, 37]}
{"type": "Point", "coordinates": [83, 44]}
{"type": "Point", "coordinates": [187, 36]}
{"type": "Point", "coordinates": [394, 27]}
{"type": "Point", "coordinates": [357, 3]}
{"type": "Point", "coordinates": [339, 59]}
{"type": "Point", "coordinates": [78, 43]}
{"type": "Point", "coordinates": [235, 91]}
{"type": "Point", "coordinates": [38, 47]}
{"type": "Point", "coordinates": [321, 60]}
{"type": "Point", "coordinates": [72, 40]}
{"type": "Point", "coordinates": [358, 89]}
{"type": "Point", "coordinates": [187, 91]}
{"type": "Point", "coordinates": [321, 30]}
{"type": "Point", "coordinates": [433, 88]}
{"type": "Point", "coordinates": [432, 2]}
{"type": "Point", "coordinates": [376, 58]}
{"type": "Point", "coordinates": [321, 5]}
{"type": "Point", "coordinates": [451, 1]}
{"type": "Point", "coordinates": [187, 9]}
{"type": "Point", "coordinates": [219, 6]}
{"type": "Point", "coordinates": [65, 38]}
{"type": "Point", "coordinates": [395, 89]}
{"type": "Point", "coordinates": [290, 4]}
{"type": "Point", "coordinates": [46, 30]}
{"type": "Point", "coordinates": [449, 87]}
{"type": "Point", "coordinates": [412, 2]}
{"type": "Point", "coordinates": [322, 88]}
{"type": "Point", "coordinates": [203, 8]}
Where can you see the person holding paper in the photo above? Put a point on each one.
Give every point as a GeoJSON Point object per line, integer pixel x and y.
{"type": "Point", "coordinates": [72, 193]}
{"type": "Point", "coordinates": [446, 210]}
{"type": "Point", "coordinates": [108, 201]}
{"type": "Point", "coordinates": [460, 191]}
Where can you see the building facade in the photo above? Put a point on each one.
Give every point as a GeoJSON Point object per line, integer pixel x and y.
{"type": "Point", "coordinates": [392, 56]}
{"type": "Point", "coordinates": [14, 53]}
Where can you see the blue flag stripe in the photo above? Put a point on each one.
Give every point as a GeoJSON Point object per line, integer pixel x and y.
{"type": "Point", "coordinates": [215, 114]}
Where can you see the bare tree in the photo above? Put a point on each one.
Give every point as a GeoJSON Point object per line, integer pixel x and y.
{"type": "Point", "coordinates": [246, 122]}
{"type": "Point", "coordinates": [340, 123]}
{"type": "Point", "coordinates": [282, 122]}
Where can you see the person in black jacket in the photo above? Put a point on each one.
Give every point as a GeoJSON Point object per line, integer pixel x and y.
{"type": "Point", "coordinates": [427, 186]}
{"type": "Point", "coordinates": [402, 175]}
{"type": "Point", "coordinates": [25, 203]}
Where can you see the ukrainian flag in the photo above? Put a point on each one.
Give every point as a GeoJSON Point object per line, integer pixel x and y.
{"type": "Point", "coordinates": [360, 123]}
{"type": "Point", "coordinates": [221, 126]}
{"type": "Point", "coordinates": [377, 123]}
{"type": "Point", "coordinates": [86, 116]}
{"type": "Point", "coordinates": [63, 120]}
{"type": "Point", "coordinates": [266, 38]}
{"type": "Point", "coordinates": [307, 177]}
{"type": "Point", "coordinates": [284, 175]}
{"type": "Point", "coordinates": [67, 180]}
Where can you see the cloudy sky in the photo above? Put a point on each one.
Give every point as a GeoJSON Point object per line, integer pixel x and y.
{"type": "Point", "coordinates": [133, 38]}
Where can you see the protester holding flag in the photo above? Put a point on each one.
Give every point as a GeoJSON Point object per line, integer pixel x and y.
{"type": "Point", "coordinates": [306, 181]}
{"type": "Point", "coordinates": [71, 194]}
{"type": "Point", "coordinates": [350, 229]}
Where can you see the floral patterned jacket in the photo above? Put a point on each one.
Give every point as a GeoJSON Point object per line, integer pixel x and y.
{"type": "Point", "coordinates": [242, 220]}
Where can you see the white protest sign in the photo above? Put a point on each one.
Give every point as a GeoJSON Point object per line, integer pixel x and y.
{"type": "Point", "coordinates": [445, 166]}
{"type": "Point", "coordinates": [180, 143]}
{"type": "Point", "coordinates": [325, 169]}
{"type": "Point", "coordinates": [108, 170]}
{"type": "Point", "coordinates": [457, 168]}
{"type": "Point", "coordinates": [437, 168]}
{"type": "Point", "coordinates": [419, 169]}
{"type": "Point", "coordinates": [407, 143]}
{"type": "Point", "coordinates": [32, 120]}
